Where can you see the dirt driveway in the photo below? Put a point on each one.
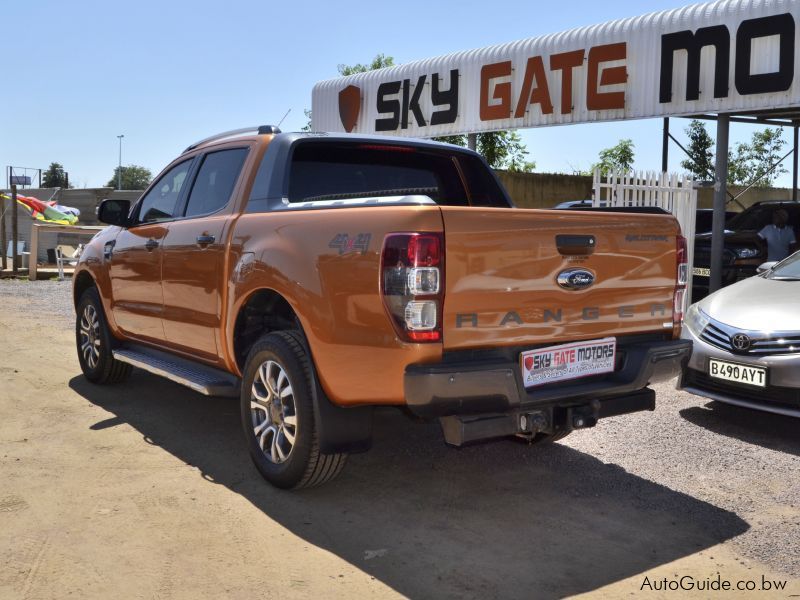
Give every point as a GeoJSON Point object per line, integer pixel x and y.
{"type": "Point", "coordinates": [146, 491]}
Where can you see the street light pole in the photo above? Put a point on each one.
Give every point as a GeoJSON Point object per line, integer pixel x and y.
{"type": "Point", "coordinates": [119, 170]}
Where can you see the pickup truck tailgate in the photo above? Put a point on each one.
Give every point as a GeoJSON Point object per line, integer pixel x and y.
{"type": "Point", "coordinates": [502, 267]}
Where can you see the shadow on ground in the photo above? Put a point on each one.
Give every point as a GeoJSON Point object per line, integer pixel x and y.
{"type": "Point", "coordinates": [495, 520]}
{"type": "Point", "coordinates": [776, 432]}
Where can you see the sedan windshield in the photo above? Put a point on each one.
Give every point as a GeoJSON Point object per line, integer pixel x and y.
{"type": "Point", "coordinates": [788, 269]}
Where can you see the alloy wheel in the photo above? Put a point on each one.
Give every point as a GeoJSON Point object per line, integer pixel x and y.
{"type": "Point", "coordinates": [90, 336]}
{"type": "Point", "coordinates": [273, 412]}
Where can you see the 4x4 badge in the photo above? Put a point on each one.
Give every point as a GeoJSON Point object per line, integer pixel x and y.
{"type": "Point", "coordinates": [346, 244]}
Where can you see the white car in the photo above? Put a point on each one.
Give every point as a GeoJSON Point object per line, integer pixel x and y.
{"type": "Point", "coordinates": [747, 341]}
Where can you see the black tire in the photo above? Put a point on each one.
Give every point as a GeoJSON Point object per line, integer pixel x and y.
{"type": "Point", "coordinates": [271, 424]}
{"type": "Point", "coordinates": [97, 360]}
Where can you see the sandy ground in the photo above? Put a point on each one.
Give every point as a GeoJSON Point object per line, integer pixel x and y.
{"type": "Point", "coordinates": [146, 491]}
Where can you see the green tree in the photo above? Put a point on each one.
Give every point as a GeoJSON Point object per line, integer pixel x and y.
{"type": "Point", "coordinates": [55, 176]}
{"type": "Point", "coordinates": [616, 158]}
{"type": "Point", "coordinates": [379, 62]}
{"type": "Point", "coordinates": [515, 152]}
{"type": "Point", "coordinates": [501, 149]}
{"type": "Point", "coordinates": [307, 126]}
{"type": "Point", "coordinates": [700, 161]}
{"type": "Point", "coordinates": [752, 163]}
{"type": "Point", "coordinates": [134, 177]}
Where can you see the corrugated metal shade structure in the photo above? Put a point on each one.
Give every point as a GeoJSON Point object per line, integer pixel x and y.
{"type": "Point", "coordinates": [577, 72]}
{"type": "Point", "coordinates": [733, 58]}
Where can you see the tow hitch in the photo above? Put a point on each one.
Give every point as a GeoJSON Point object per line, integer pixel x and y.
{"type": "Point", "coordinates": [460, 430]}
{"type": "Point", "coordinates": [464, 429]}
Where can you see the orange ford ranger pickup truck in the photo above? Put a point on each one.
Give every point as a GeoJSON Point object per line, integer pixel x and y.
{"type": "Point", "coordinates": [318, 276]}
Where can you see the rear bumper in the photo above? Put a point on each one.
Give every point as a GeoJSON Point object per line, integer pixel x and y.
{"type": "Point", "coordinates": [473, 388]}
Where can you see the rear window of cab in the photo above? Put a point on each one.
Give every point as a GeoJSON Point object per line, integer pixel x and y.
{"type": "Point", "coordinates": [330, 171]}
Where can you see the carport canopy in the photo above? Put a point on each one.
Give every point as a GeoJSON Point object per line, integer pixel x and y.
{"type": "Point", "coordinates": [730, 60]}
{"type": "Point", "coordinates": [789, 117]}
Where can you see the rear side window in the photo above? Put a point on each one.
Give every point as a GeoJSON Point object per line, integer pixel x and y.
{"type": "Point", "coordinates": [161, 202]}
{"type": "Point", "coordinates": [483, 187]}
{"type": "Point", "coordinates": [794, 216]}
{"type": "Point", "coordinates": [215, 181]}
{"type": "Point", "coordinates": [341, 171]}
{"type": "Point", "coordinates": [754, 219]}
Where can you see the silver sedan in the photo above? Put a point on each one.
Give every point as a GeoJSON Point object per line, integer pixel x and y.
{"type": "Point", "coordinates": [747, 341]}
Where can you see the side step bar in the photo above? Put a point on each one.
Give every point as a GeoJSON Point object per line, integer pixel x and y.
{"type": "Point", "coordinates": [199, 377]}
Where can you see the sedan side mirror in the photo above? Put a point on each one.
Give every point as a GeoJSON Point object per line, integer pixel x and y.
{"type": "Point", "coordinates": [114, 212]}
{"type": "Point", "coordinates": [767, 266]}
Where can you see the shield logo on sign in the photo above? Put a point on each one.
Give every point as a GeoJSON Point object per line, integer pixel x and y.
{"type": "Point", "coordinates": [349, 106]}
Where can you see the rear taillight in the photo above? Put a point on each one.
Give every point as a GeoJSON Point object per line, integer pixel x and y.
{"type": "Point", "coordinates": [682, 260]}
{"type": "Point", "coordinates": [681, 278]}
{"type": "Point", "coordinates": [412, 284]}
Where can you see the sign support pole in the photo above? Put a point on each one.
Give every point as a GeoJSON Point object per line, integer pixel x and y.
{"type": "Point", "coordinates": [14, 232]}
{"type": "Point", "coordinates": [4, 206]}
{"type": "Point", "coordinates": [720, 193]}
{"type": "Point", "coordinates": [794, 166]}
{"type": "Point", "coordinates": [472, 141]}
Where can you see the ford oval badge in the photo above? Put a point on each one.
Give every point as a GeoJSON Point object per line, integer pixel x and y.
{"type": "Point", "coordinates": [575, 279]}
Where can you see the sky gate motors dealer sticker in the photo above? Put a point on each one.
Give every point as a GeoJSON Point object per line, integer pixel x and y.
{"type": "Point", "coordinates": [568, 361]}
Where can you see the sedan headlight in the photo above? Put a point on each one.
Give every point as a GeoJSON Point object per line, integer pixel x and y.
{"type": "Point", "coordinates": [695, 319]}
{"type": "Point", "coordinates": [746, 252]}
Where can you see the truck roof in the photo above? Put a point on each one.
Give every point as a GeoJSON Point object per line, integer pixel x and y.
{"type": "Point", "coordinates": [333, 136]}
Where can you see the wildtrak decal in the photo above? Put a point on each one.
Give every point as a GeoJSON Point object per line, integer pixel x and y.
{"type": "Point", "coordinates": [645, 238]}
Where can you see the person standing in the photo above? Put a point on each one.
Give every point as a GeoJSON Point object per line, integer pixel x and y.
{"type": "Point", "coordinates": [779, 236]}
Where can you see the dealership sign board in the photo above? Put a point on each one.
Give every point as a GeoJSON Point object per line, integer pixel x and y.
{"type": "Point", "coordinates": [727, 56]}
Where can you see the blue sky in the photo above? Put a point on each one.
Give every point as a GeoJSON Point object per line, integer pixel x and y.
{"type": "Point", "coordinates": [165, 74]}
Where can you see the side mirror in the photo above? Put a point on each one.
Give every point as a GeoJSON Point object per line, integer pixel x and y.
{"type": "Point", "coordinates": [114, 212]}
{"type": "Point", "coordinates": [767, 266]}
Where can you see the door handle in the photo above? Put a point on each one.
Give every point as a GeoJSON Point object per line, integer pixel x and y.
{"type": "Point", "coordinates": [205, 240]}
{"type": "Point", "coordinates": [151, 245]}
{"type": "Point", "coordinates": [575, 245]}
